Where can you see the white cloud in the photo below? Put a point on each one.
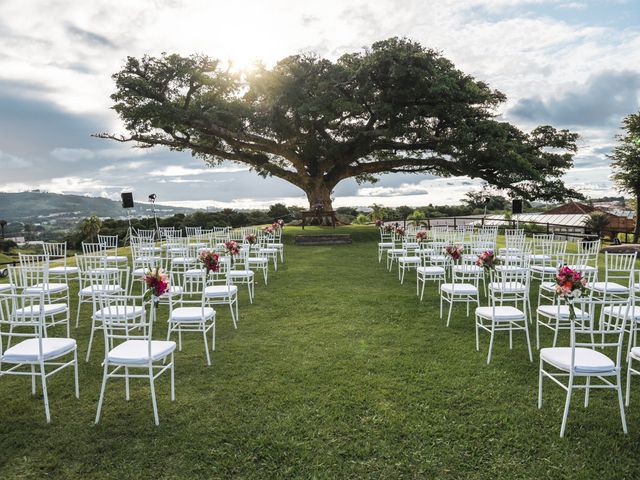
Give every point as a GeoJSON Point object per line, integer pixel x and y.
{"type": "Point", "coordinates": [181, 171]}
{"type": "Point", "coordinates": [12, 161]}
{"type": "Point", "coordinates": [72, 154]}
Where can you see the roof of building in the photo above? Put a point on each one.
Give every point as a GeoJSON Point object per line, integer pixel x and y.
{"type": "Point", "coordinates": [572, 208]}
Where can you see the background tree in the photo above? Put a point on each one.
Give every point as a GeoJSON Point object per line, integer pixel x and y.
{"type": "Point", "coordinates": [279, 210]}
{"type": "Point", "coordinates": [403, 213]}
{"type": "Point", "coordinates": [3, 223]}
{"type": "Point", "coordinates": [378, 212]}
{"type": "Point", "coordinates": [626, 163]}
{"type": "Point", "coordinates": [417, 216]}
{"type": "Point", "coordinates": [596, 223]}
{"type": "Point", "coordinates": [90, 227]}
{"type": "Point", "coordinates": [480, 199]}
{"type": "Point", "coordinates": [394, 107]}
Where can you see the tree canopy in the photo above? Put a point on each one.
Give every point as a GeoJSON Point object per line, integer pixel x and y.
{"type": "Point", "coordinates": [393, 107]}
{"type": "Point", "coordinates": [626, 163]}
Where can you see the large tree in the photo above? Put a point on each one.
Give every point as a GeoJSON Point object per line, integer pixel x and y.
{"type": "Point", "coordinates": [626, 163]}
{"type": "Point", "coordinates": [395, 107]}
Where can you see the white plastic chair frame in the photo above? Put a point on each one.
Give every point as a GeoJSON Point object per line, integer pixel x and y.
{"type": "Point", "coordinates": [33, 355]}
{"type": "Point", "coordinates": [119, 331]}
{"type": "Point", "coordinates": [573, 365]}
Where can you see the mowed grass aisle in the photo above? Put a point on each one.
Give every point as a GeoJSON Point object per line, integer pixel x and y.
{"type": "Point", "coordinates": [337, 371]}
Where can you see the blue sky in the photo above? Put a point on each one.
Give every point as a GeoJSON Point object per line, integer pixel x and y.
{"type": "Point", "coordinates": [572, 64]}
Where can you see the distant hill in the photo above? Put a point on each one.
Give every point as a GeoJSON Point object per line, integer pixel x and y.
{"type": "Point", "coordinates": [41, 206]}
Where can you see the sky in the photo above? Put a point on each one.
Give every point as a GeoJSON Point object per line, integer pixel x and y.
{"type": "Point", "coordinates": [571, 64]}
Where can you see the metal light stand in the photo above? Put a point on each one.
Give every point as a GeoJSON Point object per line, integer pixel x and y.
{"type": "Point", "coordinates": [152, 200]}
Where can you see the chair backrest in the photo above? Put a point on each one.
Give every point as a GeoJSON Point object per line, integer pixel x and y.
{"type": "Point", "coordinates": [507, 286]}
{"type": "Point", "coordinates": [577, 261]}
{"type": "Point", "coordinates": [110, 242]}
{"type": "Point", "coordinates": [147, 234]}
{"type": "Point", "coordinates": [95, 273]}
{"type": "Point", "coordinates": [619, 267]}
{"type": "Point", "coordinates": [55, 250]}
{"type": "Point", "coordinates": [540, 241]}
{"type": "Point", "coordinates": [23, 314]}
{"type": "Point", "coordinates": [191, 231]}
{"type": "Point", "coordinates": [118, 327]}
{"type": "Point", "coordinates": [96, 249]}
{"type": "Point", "coordinates": [34, 269]}
{"type": "Point", "coordinates": [589, 246]}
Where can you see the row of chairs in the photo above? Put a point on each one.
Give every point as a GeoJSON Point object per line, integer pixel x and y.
{"type": "Point", "coordinates": [604, 316]}
{"type": "Point", "coordinates": [37, 299]}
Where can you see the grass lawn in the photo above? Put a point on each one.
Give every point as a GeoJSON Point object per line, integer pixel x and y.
{"type": "Point", "coordinates": [337, 371]}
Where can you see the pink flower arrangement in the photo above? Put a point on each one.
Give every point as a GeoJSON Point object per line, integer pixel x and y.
{"type": "Point", "coordinates": [250, 238]}
{"type": "Point", "coordinates": [400, 231]}
{"type": "Point", "coordinates": [278, 224]}
{"type": "Point", "coordinates": [157, 282]}
{"type": "Point", "coordinates": [570, 284]}
{"type": "Point", "coordinates": [421, 235]}
{"type": "Point", "coordinates": [487, 260]}
{"type": "Point", "coordinates": [232, 247]}
{"type": "Point", "coordinates": [379, 223]}
{"type": "Point", "coordinates": [454, 251]}
{"type": "Point", "coordinates": [210, 259]}
{"type": "Point", "coordinates": [268, 229]}
{"type": "Point", "coordinates": [387, 228]}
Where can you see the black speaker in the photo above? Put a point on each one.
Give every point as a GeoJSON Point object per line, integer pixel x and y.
{"type": "Point", "coordinates": [516, 206]}
{"type": "Point", "coordinates": [127, 199]}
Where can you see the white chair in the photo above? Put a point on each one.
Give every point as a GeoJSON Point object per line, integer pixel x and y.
{"type": "Point", "coordinates": [411, 261]}
{"type": "Point", "coordinates": [462, 289]}
{"type": "Point", "coordinates": [34, 272]}
{"type": "Point", "coordinates": [549, 257]}
{"type": "Point", "coordinates": [26, 318]}
{"type": "Point", "coordinates": [618, 282]}
{"type": "Point", "coordinates": [96, 278]}
{"type": "Point", "coordinates": [256, 261]}
{"type": "Point", "coordinates": [110, 243]}
{"type": "Point", "coordinates": [189, 314]}
{"type": "Point", "coordinates": [220, 291]}
{"type": "Point", "coordinates": [128, 345]}
{"type": "Point", "coordinates": [386, 242]}
{"type": "Point", "coordinates": [508, 307]}
{"type": "Point", "coordinates": [428, 272]}
{"type": "Point", "coordinates": [127, 306]}
{"type": "Point", "coordinates": [57, 252]}
{"type": "Point", "coordinates": [582, 360]}
{"type": "Point", "coordinates": [240, 274]}
{"type": "Point", "coordinates": [267, 248]}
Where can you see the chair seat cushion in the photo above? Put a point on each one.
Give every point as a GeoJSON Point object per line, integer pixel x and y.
{"type": "Point", "coordinates": [240, 273]}
{"type": "Point", "coordinates": [136, 352]}
{"type": "Point", "coordinates": [562, 311]}
{"type": "Point", "coordinates": [635, 352]}
{"type": "Point", "coordinates": [548, 286]}
{"type": "Point", "coordinates": [584, 268]}
{"type": "Point", "coordinates": [432, 270]}
{"type": "Point", "coordinates": [619, 311]}
{"type": "Point", "coordinates": [409, 259]}
{"type": "Point", "coordinates": [220, 291]}
{"type": "Point", "coordinates": [61, 270]}
{"type": "Point", "coordinates": [467, 268]}
{"type": "Point", "coordinates": [47, 288]}
{"type": "Point", "coordinates": [609, 287]}
{"type": "Point", "coordinates": [118, 311]}
{"type": "Point", "coordinates": [183, 261]}
{"type": "Point", "coordinates": [116, 258]}
{"type": "Point", "coordinates": [507, 287]}
{"type": "Point", "coordinates": [500, 313]}
{"type": "Point", "coordinates": [28, 350]}
{"type": "Point", "coordinates": [459, 288]}
{"type": "Point", "coordinates": [258, 260]}
{"type": "Point", "coordinates": [268, 250]}
{"type": "Point", "coordinates": [397, 251]}
{"type": "Point", "coordinates": [5, 287]}
{"type": "Point", "coordinates": [386, 244]}
{"type": "Point", "coordinates": [411, 245]}
{"type": "Point", "coordinates": [139, 272]}
{"type": "Point", "coordinates": [100, 288]}
{"type": "Point", "coordinates": [539, 257]}
{"type": "Point", "coordinates": [192, 314]}
{"type": "Point", "coordinates": [34, 310]}
{"type": "Point", "coordinates": [543, 269]}
{"type": "Point", "coordinates": [195, 272]}
{"type": "Point", "coordinates": [586, 359]}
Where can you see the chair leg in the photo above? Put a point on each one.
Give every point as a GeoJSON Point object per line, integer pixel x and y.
{"type": "Point", "coordinates": [213, 336]}
{"type": "Point", "coordinates": [477, 334]}
{"type": "Point", "coordinates": [206, 346]}
{"type": "Point", "coordinates": [93, 328]}
{"type": "Point", "coordinates": [173, 380]}
{"type": "Point", "coordinates": [126, 383]}
{"type": "Point", "coordinates": [233, 315]}
{"type": "Point", "coordinates": [586, 392]}
{"type": "Point", "coordinates": [153, 396]}
{"type": "Point", "coordinates": [104, 384]}
{"type": "Point", "coordinates": [78, 312]}
{"type": "Point", "coordinates": [33, 380]}
{"type": "Point", "coordinates": [44, 392]}
{"type": "Point", "coordinates": [75, 372]}
{"type": "Point", "coordinates": [628, 393]}
{"type": "Point", "coordinates": [566, 406]}
{"type": "Point", "coordinates": [450, 309]}
{"type": "Point", "coordinates": [526, 334]}
{"type": "Point", "coordinates": [540, 378]}
{"type": "Point", "coordinates": [493, 330]}
{"type": "Point", "coordinates": [622, 415]}
{"type": "Point", "coordinates": [537, 331]}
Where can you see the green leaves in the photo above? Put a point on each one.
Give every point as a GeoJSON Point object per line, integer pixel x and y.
{"type": "Point", "coordinates": [395, 107]}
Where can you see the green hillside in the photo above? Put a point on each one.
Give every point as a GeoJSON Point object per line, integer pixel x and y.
{"type": "Point", "coordinates": [31, 205]}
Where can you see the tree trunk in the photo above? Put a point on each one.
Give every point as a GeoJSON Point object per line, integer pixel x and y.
{"type": "Point", "coordinates": [636, 231]}
{"type": "Point", "coordinates": [319, 196]}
